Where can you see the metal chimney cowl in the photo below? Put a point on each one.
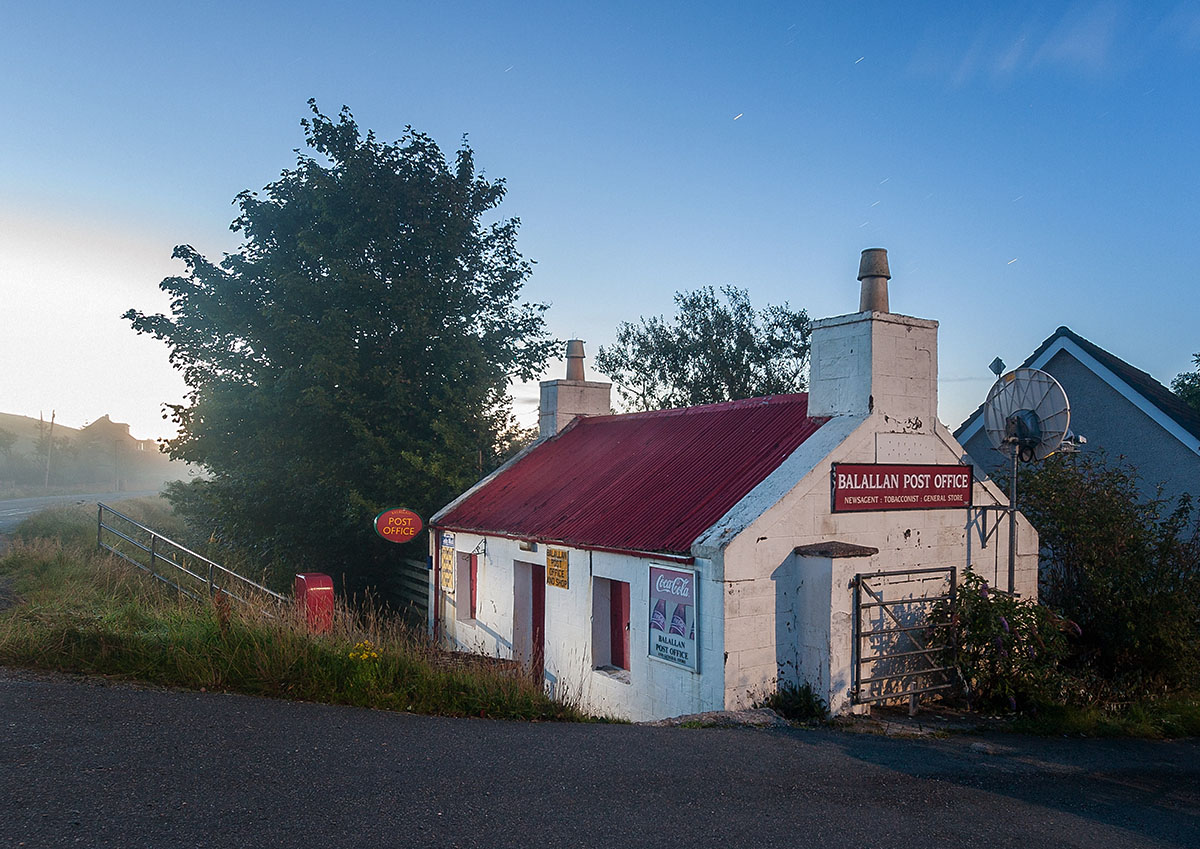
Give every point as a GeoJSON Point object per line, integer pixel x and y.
{"type": "Point", "coordinates": [575, 359]}
{"type": "Point", "coordinates": [874, 273]}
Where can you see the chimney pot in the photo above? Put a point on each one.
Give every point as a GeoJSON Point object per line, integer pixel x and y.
{"type": "Point", "coordinates": [575, 359]}
{"type": "Point", "coordinates": [874, 273]}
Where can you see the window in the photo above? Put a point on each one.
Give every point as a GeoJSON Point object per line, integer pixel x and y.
{"type": "Point", "coordinates": [610, 625]}
{"type": "Point", "coordinates": [466, 586]}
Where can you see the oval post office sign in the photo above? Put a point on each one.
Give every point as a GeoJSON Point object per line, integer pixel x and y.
{"type": "Point", "coordinates": [398, 524]}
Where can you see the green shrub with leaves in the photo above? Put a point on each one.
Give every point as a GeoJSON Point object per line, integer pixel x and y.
{"type": "Point", "coordinates": [1005, 651]}
{"type": "Point", "coordinates": [1125, 569]}
{"type": "Point", "coordinates": [796, 702]}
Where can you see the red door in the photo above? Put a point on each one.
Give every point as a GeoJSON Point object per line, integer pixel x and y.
{"type": "Point", "coordinates": [538, 597]}
{"type": "Point", "coordinates": [618, 620]}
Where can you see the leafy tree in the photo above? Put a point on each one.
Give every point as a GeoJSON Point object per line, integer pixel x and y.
{"type": "Point", "coordinates": [716, 348]}
{"type": "Point", "coordinates": [1127, 571]}
{"type": "Point", "coordinates": [1187, 385]}
{"type": "Point", "coordinates": [352, 354]}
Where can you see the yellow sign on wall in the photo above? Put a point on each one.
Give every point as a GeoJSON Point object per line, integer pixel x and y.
{"type": "Point", "coordinates": [447, 562]}
{"type": "Point", "coordinates": [556, 567]}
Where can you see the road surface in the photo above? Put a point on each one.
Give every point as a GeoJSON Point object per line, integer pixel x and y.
{"type": "Point", "coordinates": [13, 511]}
{"type": "Point", "coordinates": [88, 763]}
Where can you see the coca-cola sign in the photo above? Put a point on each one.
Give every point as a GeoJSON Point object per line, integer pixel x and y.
{"type": "Point", "coordinates": [673, 616]}
{"type": "Point", "coordinates": [859, 487]}
{"type": "Point", "coordinates": [677, 586]}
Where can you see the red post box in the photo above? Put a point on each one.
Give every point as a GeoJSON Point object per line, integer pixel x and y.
{"type": "Point", "coordinates": [314, 596]}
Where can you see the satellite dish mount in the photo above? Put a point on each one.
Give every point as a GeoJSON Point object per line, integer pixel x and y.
{"type": "Point", "coordinates": [1026, 415]}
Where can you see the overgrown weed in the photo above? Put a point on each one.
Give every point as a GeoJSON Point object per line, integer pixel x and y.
{"type": "Point", "coordinates": [798, 703]}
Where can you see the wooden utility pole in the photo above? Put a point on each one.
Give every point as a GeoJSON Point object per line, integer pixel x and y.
{"type": "Point", "coordinates": [49, 447]}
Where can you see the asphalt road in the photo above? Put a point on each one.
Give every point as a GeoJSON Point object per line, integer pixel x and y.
{"type": "Point", "coordinates": [88, 763]}
{"type": "Point", "coordinates": [13, 511]}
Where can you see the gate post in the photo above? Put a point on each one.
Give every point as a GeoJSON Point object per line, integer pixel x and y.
{"type": "Point", "coordinates": [856, 655]}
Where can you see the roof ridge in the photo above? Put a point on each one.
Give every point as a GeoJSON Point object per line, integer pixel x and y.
{"type": "Point", "coordinates": [1142, 382]}
{"type": "Point", "coordinates": [718, 406]}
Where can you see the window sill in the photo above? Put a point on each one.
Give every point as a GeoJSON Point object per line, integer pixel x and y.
{"type": "Point", "coordinates": [614, 672]}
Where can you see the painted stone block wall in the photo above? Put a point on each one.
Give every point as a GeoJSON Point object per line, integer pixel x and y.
{"type": "Point", "coordinates": [761, 578]}
{"type": "Point", "coordinates": [868, 362]}
{"type": "Point", "coordinates": [649, 689]}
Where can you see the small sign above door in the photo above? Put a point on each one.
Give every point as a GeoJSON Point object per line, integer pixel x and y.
{"type": "Point", "coordinates": [557, 572]}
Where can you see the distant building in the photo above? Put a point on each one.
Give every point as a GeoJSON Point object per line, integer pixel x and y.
{"type": "Point", "coordinates": [671, 562]}
{"type": "Point", "coordinates": [1118, 408]}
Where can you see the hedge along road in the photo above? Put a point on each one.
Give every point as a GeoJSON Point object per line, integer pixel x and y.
{"type": "Point", "coordinates": [86, 762]}
{"type": "Point", "coordinates": [13, 511]}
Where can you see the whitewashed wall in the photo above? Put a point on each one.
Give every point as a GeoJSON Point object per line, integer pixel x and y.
{"type": "Point", "coordinates": [759, 646]}
{"type": "Point", "coordinates": [652, 689]}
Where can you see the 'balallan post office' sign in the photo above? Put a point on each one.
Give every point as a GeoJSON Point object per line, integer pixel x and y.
{"type": "Point", "coordinates": [859, 487]}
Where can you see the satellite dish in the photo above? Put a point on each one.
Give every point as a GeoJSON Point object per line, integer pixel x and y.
{"type": "Point", "coordinates": [1027, 412]}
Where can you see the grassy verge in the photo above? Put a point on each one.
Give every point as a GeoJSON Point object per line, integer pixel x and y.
{"type": "Point", "coordinates": [1165, 717]}
{"type": "Point", "coordinates": [79, 611]}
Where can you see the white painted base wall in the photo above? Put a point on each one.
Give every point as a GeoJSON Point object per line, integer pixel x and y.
{"type": "Point", "coordinates": [652, 689]}
{"type": "Point", "coordinates": [781, 626]}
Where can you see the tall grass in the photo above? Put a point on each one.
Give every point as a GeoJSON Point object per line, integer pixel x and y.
{"type": "Point", "coordinates": [80, 611]}
{"type": "Point", "coordinates": [1167, 716]}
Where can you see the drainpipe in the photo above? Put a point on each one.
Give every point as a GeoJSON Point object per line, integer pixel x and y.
{"type": "Point", "coordinates": [437, 584]}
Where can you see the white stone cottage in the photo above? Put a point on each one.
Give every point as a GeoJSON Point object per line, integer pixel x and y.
{"type": "Point", "coordinates": [656, 564]}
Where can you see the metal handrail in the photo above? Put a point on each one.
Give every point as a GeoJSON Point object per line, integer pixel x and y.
{"type": "Point", "coordinates": [154, 547]}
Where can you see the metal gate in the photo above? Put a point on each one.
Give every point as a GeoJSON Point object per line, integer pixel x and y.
{"type": "Point", "coordinates": [896, 654]}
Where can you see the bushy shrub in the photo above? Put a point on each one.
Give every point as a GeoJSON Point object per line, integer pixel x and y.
{"type": "Point", "coordinates": [796, 702]}
{"type": "Point", "coordinates": [1126, 569]}
{"type": "Point", "coordinates": [1005, 651]}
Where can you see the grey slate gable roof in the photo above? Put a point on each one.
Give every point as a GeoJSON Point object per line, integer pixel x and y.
{"type": "Point", "coordinates": [1157, 395]}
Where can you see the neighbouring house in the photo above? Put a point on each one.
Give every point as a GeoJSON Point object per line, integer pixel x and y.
{"type": "Point", "coordinates": [118, 459]}
{"type": "Point", "coordinates": [1118, 409]}
{"type": "Point", "coordinates": [664, 563]}
{"type": "Point", "coordinates": [102, 454]}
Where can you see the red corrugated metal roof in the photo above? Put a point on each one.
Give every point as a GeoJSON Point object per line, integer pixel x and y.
{"type": "Point", "coordinates": [641, 481]}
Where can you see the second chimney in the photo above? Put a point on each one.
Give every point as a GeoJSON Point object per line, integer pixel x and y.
{"type": "Point", "coordinates": [563, 400]}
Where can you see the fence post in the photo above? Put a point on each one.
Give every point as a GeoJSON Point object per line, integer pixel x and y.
{"type": "Point", "coordinates": [856, 655]}
{"type": "Point", "coordinates": [210, 580]}
{"type": "Point", "coordinates": [153, 551]}
{"type": "Point", "coordinates": [953, 635]}
{"type": "Point", "coordinates": [99, 524]}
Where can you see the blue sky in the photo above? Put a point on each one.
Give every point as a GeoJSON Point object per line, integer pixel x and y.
{"type": "Point", "coordinates": [1026, 166]}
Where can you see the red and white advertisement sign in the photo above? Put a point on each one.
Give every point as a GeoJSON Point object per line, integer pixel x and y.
{"type": "Point", "coordinates": [673, 616]}
{"type": "Point", "coordinates": [859, 487]}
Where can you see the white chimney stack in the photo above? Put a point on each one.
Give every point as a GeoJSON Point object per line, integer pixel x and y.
{"type": "Point", "coordinates": [875, 360]}
{"type": "Point", "coordinates": [563, 400]}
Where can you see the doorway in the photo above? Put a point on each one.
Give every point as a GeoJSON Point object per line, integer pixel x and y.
{"type": "Point", "coordinates": [529, 617]}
